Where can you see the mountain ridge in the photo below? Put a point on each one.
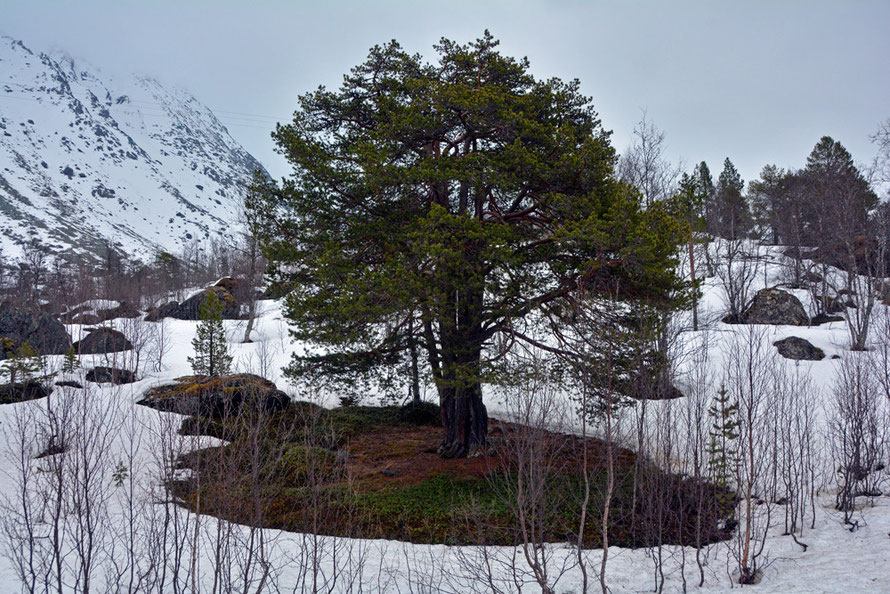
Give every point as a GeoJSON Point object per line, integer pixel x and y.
{"type": "Point", "coordinates": [90, 162]}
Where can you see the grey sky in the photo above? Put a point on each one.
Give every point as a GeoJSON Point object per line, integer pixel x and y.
{"type": "Point", "coordinates": [759, 82]}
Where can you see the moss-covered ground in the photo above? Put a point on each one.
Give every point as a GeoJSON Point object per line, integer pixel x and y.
{"type": "Point", "coordinates": [374, 472]}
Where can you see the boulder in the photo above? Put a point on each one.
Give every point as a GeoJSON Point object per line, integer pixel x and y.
{"type": "Point", "coordinates": [217, 396]}
{"type": "Point", "coordinates": [44, 333]}
{"type": "Point", "coordinates": [799, 349]}
{"type": "Point", "coordinates": [102, 340]}
{"type": "Point", "coordinates": [123, 310]}
{"type": "Point", "coordinates": [98, 311]}
{"type": "Point", "coordinates": [53, 448]}
{"type": "Point", "coordinates": [19, 392]}
{"type": "Point", "coordinates": [163, 311]}
{"type": "Point", "coordinates": [230, 284]}
{"type": "Point", "coordinates": [110, 375]}
{"type": "Point", "coordinates": [777, 307]}
{"type": "Point", "coordinates": [836, 305]}
{"type": "Point", "coordinates": [822, 318]}
{"type": "Point", "coordinates": [188, 309]}
{"type": "Point", "coordinates": [87, 319]}
{"type": "Point", "coordinates": [811, 277]}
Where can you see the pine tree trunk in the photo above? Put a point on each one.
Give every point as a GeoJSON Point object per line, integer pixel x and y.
{"type": "Point", "coordinates": [460, 389]}
{"type": "Point", "coordinates": [415, 373]}
{"type": "Point", "coordinates": [465, 420]}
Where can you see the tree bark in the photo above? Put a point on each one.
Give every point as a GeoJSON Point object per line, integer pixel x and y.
{"type": "Point", "coordinates": [460, 384]}
{"type": "Point", "coordinates": [465, 420]}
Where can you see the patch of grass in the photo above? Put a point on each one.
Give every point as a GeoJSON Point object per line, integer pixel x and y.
{"type": "Point", "coordinates": [434, 511]}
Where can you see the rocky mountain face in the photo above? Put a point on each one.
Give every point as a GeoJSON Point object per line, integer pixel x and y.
{"type": "Point", "coordinates": [88, 161]}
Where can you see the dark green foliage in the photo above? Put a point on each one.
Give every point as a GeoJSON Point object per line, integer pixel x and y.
{"type": "Point", "coordinates": [120, 474]}
{"type": "Point", "coordinates": [22, 363]}
{"type": "Point", "coordinates": [169, 269]}
{"type": "Point", "coordinates": [840, 196]}
{"type": "Point", "coordinates": [769, 197]}
{"type": "Point", "coordinates": [420, 413]}
{"type": "Point", "coordinates": [211, 351]}
{"type": "Point", "coordinates": [704, 187]}
{"type": "Point", "coordinates": [71, 362]}
{"type": "Point", "coordinates": [437, 205]}
{"type": "Point", "coordinates": [688, 204]}
{"type": "Point", "coordinates": [827, 202]}
{"type": "Point", "coordinates": [732, 216]}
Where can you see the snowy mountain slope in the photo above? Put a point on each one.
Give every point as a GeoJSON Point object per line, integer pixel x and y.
{"type": "Point", "coordinates": [86, 159]}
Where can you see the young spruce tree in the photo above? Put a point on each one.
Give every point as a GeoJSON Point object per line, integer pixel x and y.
{"type": "Point", "coordinates": [22, 363]}
{"type": "Point", "coordinates": [211, 351]}
{"type": "Point", "coordinates": [724, 432]}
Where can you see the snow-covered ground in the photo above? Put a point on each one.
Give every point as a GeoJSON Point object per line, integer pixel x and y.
{"type": "Point", "coordinates": [836, 560]}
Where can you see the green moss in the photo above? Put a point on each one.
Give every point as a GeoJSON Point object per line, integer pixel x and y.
{"type": "Point", "coordinates": [300, 464]}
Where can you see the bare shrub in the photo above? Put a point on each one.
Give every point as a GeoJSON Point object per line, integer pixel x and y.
{"type": "Point", "coordinates": [859, 430]}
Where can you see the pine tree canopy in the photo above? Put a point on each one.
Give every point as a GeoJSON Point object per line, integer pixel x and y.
{"type": "Point", "coordinates": [441, 204]}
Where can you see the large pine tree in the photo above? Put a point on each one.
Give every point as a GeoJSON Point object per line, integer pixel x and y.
{"type": "Point", "coordinates": [439, 206]}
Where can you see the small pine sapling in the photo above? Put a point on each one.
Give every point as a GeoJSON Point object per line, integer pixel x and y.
{"type": "Point", "coordinates": [724, 432]}
{"type": "Point", "coordinates": [70, 364]}
{"type": "Point", "coordinates": [22, 364]}
{"type": "Point", "coordinates": [211, 350]}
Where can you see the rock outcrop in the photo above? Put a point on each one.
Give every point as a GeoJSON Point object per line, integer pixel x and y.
{"type": "Point", "coordinates": [777, 307]}
{"type": "Point", "coordinates": [190, 308]}
{"type": "Point", "coordinates": [99, 311]}
{"type": "Point", "coordinates": [103, 340]}
{"type": "Point", "coordinates": [162, 311]}
{"type": "Point", "coordinates": [798, 349]}
{"type": "Point", "coordinates": [44, 333]}
{"type": "Point", "coordinates": [19, 392]}
{"type": "Point", "coordinates": [110, 375]}
{"type": "Point", "coordinates": [217, 396]}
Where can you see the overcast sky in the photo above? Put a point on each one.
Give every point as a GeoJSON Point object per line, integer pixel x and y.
{"type": "Point", "coordinates": [758, 82]}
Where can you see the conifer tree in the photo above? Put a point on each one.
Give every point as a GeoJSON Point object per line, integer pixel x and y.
{"type": "Point", "coordinates": [438, 205]}
{"type": "Point", "coordinates": [733, 217]}
{"type": "Point", "coordinates": [22, 364]}
{"type": "Point", "coordinates": [70, 363]}
{"type": "Point", "coordinates": [704, 186]}
{"type": "Point", "coordinates": [724, 431]}
{"type": "Point", "coordinates": [211, 351]}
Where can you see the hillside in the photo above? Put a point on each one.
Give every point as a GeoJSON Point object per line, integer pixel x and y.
{"type": "Point", "coordinates": [87, 159]}
{"type": "Point", "coordinates": [137, 443]}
